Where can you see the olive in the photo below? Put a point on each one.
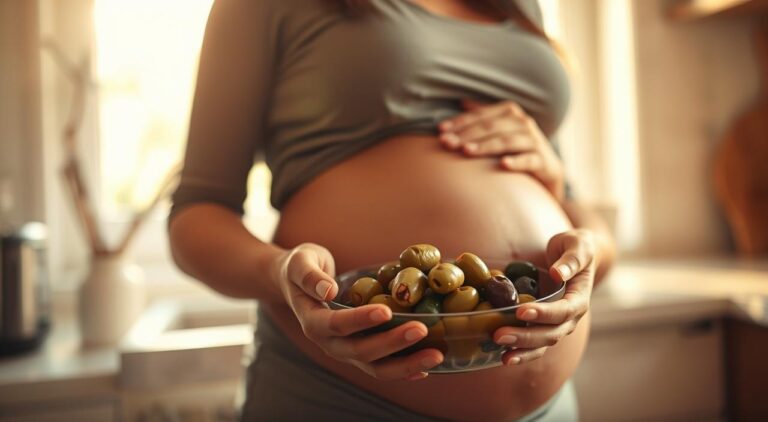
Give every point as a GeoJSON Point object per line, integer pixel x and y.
{"type": "Point", "coordinates": [362, 291]}
{"type": "Point", "coordinates": [464, 299]}
{"type": "Point", "coordinates": [408, 286]}
{"type": "Point", "coordinates": [435, 338]}
{"type": "Point", "coordinates": [518, 269]}
{"type": "Point", "coordinates": [422, 256]}
{"type": "Point", "coordinates": [387, 273]}
{"type": "Point", "coordinates": [429, 304]}
{"type": "Point", "coordinates": [475, 271]}
{"type": "Point", "coordinates": [486, 322]}
{"type": "Point", "coordinates": [445, 278]}
{"type": "Point", "coordinates": [526, 285]}
{"type": "Point", "coordinates": [526, 298]}
{"type": "Point", "coordinates": [494, 272]}
{"type": "Point", "coordinates": [389, 302]}
{"type": "Point", "coordinates": [501, 292]}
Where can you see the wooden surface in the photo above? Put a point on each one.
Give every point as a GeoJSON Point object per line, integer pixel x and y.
{"type": "Point", "coordinates": [741, 168]}
{"type": "Point", "coordinates": [747, 371]}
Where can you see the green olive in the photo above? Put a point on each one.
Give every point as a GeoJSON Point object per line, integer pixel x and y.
{"type": "Point", "coordinates": [445, 278]}
{"type": "Point", "coordinates": [464, 299]}
{"type": "Point", "coordinates": [476, 273]}
{"type": "Point", "coordinates": [389, 302]}
{"type": "Point", "coordinates": [435, 338]}
{"type": "Point", "coordinates": [408, 286]}
{"type": "Point", "coordinates": [494, 272]}
{"type": "Point", "coordinates": [486, 322]}
{"type": "Point", "coordinates": [422, 256]}
{"type": "Point", "coordinates": [429, 304]}
{"type": "Point", "coordinates": [518, 269]}
{"type": "Point", "coordinates": [362, 291]}
{"type": "Point", "coordinates": [387, 273]}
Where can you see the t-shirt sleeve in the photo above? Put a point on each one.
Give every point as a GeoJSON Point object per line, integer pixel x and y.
{"type": "Point", "coordinates": [227, 129]}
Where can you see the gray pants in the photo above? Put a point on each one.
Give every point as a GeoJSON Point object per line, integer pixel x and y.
{"type": "Point", "coordinates": [285, 385]}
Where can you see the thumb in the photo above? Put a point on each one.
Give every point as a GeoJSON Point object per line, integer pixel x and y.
{"type": "Point", "coordinates": [575, 257]}
{"type": "Point", "coordinates": [304, 270]}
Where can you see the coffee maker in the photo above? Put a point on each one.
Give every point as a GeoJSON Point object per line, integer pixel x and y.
{"type": "Point", "coordinates": [24, 290]}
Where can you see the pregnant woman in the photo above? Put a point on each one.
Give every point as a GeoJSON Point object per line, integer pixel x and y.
{"type": "Point", "coordinates": [385, 123]}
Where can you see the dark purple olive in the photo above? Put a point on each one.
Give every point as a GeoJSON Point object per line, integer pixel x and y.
{"type": "Point", "coordinates": [526, 285]}
{"type": "Point", "coordinates": [517, 269]}
{"type": "Point", "coordinates": [501, 292]}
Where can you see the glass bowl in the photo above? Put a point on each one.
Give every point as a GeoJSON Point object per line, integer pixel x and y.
{"type": "Point", "coordinates": [466, 338]}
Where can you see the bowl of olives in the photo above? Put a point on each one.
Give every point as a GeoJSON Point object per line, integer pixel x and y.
{"type": "Point", "coordinates": [461, 302]}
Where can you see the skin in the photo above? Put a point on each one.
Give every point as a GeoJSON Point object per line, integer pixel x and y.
{"type": "Point", "coordinates": [510, 188]}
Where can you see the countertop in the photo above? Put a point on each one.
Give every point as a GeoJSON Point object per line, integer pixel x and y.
{"type": "Point", "coordinates": [635, 294]}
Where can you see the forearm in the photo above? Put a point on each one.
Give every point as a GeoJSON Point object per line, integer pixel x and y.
{"type": "Point", "coordinates": [210, 243]}
{"type": "Point", "coordinates": [605, 247]}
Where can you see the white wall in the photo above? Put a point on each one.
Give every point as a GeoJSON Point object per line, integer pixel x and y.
{"type": "Point", "coordinates": [693, 79]}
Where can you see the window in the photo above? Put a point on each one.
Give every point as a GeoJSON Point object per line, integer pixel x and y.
{"type": "Point", "coordinates": [146, 61]}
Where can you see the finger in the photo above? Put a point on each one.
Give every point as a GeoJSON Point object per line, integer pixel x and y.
{"type": "Point", "coordinates": [533, 337]}
{"type": "Point", "coordinates": [377, 346]}
{"type": "Point", "coordinates": [479, 111]}
{"type": "Point", "coordinates": [320, 322]}
{"type": "Point", "coordinates": [576, 257]}
{"type": "Point", "coordinates": [526, 162]}
{"type": "Point", "coordinates": [479, 130]}
{"type": "Point", "coordinates": [500, 143]}
{"type": "Point", "coordinates": [304, 272]}
{"type": "Point", "coordinates": [518, 356]}
{"type": "Point", "coordinates": [407, 367]}
{"type": "Point", "coordinates": [573, 305]}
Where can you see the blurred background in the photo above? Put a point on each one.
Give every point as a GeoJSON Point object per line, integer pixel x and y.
{"type": "Point", "coordinates": [666, 137]}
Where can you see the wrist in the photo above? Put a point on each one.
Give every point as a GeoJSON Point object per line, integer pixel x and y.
{"type": "Point", "coordinates": [268, 265]}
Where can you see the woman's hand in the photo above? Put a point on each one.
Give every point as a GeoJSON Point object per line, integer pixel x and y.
{"type": "Point", "coordinates": [305, 275]}
{"type": "Point", "coordinates": [572, 258]}
{"type": "Point", "coordinates": [505, 130]}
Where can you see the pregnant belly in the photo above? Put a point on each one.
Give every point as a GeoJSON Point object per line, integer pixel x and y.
{"type": "Point", "coordinates": [408, 190]}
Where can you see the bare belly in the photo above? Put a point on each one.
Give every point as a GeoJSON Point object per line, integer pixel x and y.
{"type": "Point", "coordinates": [408, 190]}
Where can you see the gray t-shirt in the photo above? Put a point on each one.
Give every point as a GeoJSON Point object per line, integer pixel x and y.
{"type": "Point", "coordinates": [326, 85]}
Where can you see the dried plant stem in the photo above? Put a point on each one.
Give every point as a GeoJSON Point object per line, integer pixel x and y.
{"type": "Point", "coordinates": [166, 186]}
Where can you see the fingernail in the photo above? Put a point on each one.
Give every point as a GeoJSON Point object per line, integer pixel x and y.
{"type": "Point", "coordinates": [450, 139]}
{"type": "Point", "coordinates": [427, 363]}
{"type": "Point", "coordinates": [379, 315]}
{"type": "Point", "coordinates": [530, 315]}
{"type": "Point", "coordinates": [414, 334]}
{"type": "Point", "coordinates": [513, 361]}
{"type": "Point", "coordinates": [508, 339]}
{"type": "Point", "coordinates": [322, 289]}
{"type": "Point", "coordinates": [565, 271]}
{"type": "Point", "coordinates": [470, 147]}
{"type": "Point", "coordinates": [446, 125]}
{"type": "Point", "coordinates": [418, 376]}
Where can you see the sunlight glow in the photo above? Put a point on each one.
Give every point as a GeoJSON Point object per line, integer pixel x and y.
{"type": "Point", "coordinates": [146, 61]}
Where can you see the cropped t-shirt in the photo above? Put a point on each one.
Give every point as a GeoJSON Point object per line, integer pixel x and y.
{"type": "Point", "coordinates": [329, 85]}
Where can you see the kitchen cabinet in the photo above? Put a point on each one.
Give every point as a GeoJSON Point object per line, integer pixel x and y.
{"type": "Point", "coordinates": [101, 411]}
{"type": "Point", "coordinates": [654, 373]}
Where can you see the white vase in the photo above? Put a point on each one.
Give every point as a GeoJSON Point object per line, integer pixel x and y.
{"type": "Point", "coordinates": [110, 300]}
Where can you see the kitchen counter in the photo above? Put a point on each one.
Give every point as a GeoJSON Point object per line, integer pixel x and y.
{"type": "Point", "coordinates": [60, 369]}
{"type": "Point", "coordinates": [635, 294]}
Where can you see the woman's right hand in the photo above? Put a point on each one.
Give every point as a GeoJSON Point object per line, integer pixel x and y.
{"type": "Point", "coordinates": [305, 276]}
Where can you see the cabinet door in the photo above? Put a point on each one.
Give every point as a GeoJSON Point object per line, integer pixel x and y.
{"type": "Point", "coordinates": [660, 373]}
{"type": "Point", "coordinates": [97, 412]}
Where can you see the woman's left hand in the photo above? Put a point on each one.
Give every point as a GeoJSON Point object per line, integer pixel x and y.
{"type": "Point", "coordinates": [504, 130]}
{"type": "Point", "coordinates": [572, 258]}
